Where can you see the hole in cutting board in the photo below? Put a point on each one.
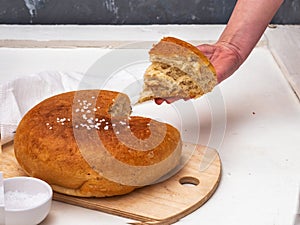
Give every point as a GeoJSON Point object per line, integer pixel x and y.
{"type": "Point", "coordinates": [189, 181]}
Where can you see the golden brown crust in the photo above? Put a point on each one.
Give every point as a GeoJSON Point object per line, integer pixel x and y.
{"type": "Point", "coordinates": [72, 142]}
{"type": "Point", "coordinates": [158, 48]}
{"type": "Point", "coordinates": [188, 46]}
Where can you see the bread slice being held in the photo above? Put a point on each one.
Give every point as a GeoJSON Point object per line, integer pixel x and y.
{"type": "Point", "coordinates": [179, 70]}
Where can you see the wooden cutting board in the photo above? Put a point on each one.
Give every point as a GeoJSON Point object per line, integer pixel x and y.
{"type": "Point", "coordinates": [161, 203]}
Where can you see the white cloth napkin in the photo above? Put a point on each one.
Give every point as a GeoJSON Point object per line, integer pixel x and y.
{"type": "Point", "coordinates": [20, 95]}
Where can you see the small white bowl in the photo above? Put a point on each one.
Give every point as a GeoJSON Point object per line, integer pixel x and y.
{"type": "Point", "coordinates": [28, 200]}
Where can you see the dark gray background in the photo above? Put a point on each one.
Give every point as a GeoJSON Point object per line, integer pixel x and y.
{"type": "Point", "coordinates": [130, 12]}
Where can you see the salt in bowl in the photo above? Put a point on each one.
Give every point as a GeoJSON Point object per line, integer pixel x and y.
{"type": "Point", "coordinates": [27, 200]}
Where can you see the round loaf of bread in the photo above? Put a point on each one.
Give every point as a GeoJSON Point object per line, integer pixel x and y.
{"type": "Point", "coordinates": [85, 143]}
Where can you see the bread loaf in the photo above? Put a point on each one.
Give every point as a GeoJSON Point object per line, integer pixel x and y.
{"type": "Point", "coordinates": [85, 143]}
{"type": "Point", "coordinates": [179, 70]}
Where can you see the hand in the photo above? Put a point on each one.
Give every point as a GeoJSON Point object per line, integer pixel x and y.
{"type": "Point", "coordinates": [224, 57]}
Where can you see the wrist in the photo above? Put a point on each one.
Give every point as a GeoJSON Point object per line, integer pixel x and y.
{"type": "Point", "coordinates": [234, 49]}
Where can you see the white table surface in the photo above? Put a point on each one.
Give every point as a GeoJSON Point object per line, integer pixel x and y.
{"type": "Point", "coordinates": [255, 125]}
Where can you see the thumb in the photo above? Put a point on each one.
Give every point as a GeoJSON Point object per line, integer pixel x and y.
{"type": "Point", "coordinates": [206, 49]}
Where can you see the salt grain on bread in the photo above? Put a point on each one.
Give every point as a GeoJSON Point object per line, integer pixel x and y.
{"type": "Point", "coordinates": [85, 144]}
{"type": "Point", "coordinates": [178, 69]}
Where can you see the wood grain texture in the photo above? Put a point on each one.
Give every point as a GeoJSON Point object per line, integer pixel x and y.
{"type": "Point", "coordinates": [162, 203]}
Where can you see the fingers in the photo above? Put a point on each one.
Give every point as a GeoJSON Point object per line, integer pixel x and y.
{"type": "Point", "coordinates": [159, 101]}
{"type": "Point", "coordinates": [170, 100]}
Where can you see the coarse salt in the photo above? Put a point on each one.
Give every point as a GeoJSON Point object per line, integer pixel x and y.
{"type": "Point", "coordinates": [22, 200]}
{"type": "Point", "coordinates": [122, 123]}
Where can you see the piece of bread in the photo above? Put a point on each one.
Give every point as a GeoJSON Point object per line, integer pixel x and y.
{"type": "Point", "coordinates": [179, 70]}
{"type": "Point", "coordinates": [85, 144]}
